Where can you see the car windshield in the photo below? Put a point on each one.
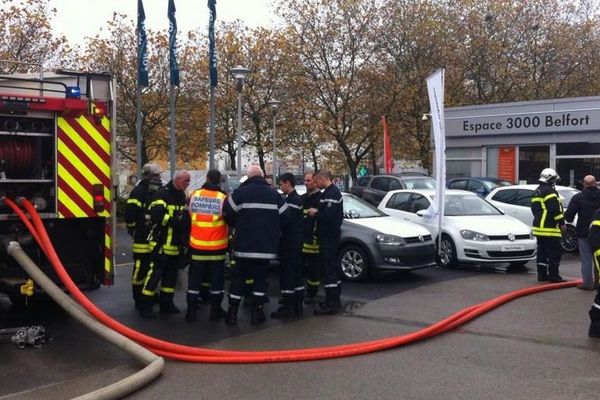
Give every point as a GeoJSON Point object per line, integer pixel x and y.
{"type": "Point", "coordinates": [467, 204]}
{"type": "Point", "coordinates": [425, 182]}
{"type": "Point", "coordinates": [566, 195]}
{"type": "Point", "coordinates": [358, 208]}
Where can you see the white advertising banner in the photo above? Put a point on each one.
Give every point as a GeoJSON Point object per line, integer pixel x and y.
{"type": "Point", "coordinates": [435, 89]}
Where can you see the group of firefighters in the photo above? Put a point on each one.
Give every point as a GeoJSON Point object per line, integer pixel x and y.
{"type": "Point", "coordinates": [251, 227]}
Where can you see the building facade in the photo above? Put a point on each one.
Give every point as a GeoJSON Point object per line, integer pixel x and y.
{"type": "Point", "coordinates": [515, 141]}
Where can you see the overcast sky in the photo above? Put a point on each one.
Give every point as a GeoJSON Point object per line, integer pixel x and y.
{"type": "Point", "coordinates": [77, 19]}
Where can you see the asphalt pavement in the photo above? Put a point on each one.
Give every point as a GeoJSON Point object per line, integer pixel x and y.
{"type": "Point", "coordinates": [534, 347]}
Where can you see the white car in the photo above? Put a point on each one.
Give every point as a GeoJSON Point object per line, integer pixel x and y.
{"type": "Point", "coordinates": [515, 201]}
{"type": "Point", "coordinates": [473, 230]}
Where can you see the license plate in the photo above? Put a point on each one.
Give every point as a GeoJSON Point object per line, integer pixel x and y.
{"type": "Point", "coordinates": [513, 247]}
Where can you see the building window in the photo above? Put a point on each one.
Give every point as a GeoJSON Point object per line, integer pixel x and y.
{"type": "Point", "coordinates": [577, 149]}
{"type": "Point", "coordinates": [463, 161]}
{"type": "Point", "coordinates": [572, 170]}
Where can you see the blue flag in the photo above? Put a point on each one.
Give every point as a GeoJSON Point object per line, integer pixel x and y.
{"type": "Point", "coordinates": [142, 46]}
{"type": "Point", "coordinates": [212, 54]}
{"type": "Point", "coordinates": [173, 67]}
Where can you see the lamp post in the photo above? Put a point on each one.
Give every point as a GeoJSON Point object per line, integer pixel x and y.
{"type": "Point", "coordinates": [239, 73]}
{"type": "Point", "coordinates": [274, 104]}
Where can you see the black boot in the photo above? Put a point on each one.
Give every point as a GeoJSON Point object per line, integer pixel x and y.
{"type": "Point", "coordinates": [286, 310]}
{"type": "Point", "coordinates": [332, 304]}
{"type": "Point", "coordinates": [594, 331]}
{"type": "Point", "coordinates": [299, 303]}
{"type": "Point", "coordinates": [553, 275]}
{"type": "Point", "coordinates": [542, 273]}
{"type": "Point", "coordinates": [146, 307]}
{"type": "Point", "coordinates": [166, 303]}
{"type": "Point", "coordinates": [190, 314]}
{"type": "Point", "coordinates": [232, 311]}
{"type": "Point", "coordinates": [216, 312]}
{"type": "Point", "coordinates": [258, 315]}
{"type": "Point", "coordinates": [311, 294]}
{"type": "Point", "coordinates": [136, 290]}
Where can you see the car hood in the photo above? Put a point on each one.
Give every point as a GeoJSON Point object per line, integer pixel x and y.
{"type": "Point", "coordinates": [489, 224]}
{"type": "Point", "coordinates": [390, 226]}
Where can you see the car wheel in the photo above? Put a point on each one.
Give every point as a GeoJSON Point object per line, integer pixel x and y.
{"type": "Point", "coordinates": [568, 242]}
{"type": "Point", "coordinates": [447, 255]}
{"type": "Point", "coordinates": [354, 263]}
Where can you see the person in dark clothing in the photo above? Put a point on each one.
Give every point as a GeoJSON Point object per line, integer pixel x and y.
{"type": "Point", "coordinates": [583, 205]}
{"type": "Point", "coordinates": [310, 244]}
{"type": "Point", "coordinates": [594, 239]}
{"type": "Point", "coordinates": [329, 216]}
{"type": "Point", "coordinates": [170, 232]}
{"type": "Point", "coordinates": [255, 210]}
{"type": "Point", "coordinates": [548, 225]}
{"type": "Point", "coordinates": [138, 226]}
{"type": "Point", "coordinates": [208, 245]}
{"type": "Point", "coordinates": [290, 252]}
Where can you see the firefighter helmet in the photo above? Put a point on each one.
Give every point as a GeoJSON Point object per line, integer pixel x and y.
{"type": "Point", "coordinates": [548, 175]}
{"type": "Point", "coordinates": [150, 171]}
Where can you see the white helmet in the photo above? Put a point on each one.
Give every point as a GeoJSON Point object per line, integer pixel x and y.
{"type": "Point", "coordinates": [548, 175]}
{"type": "Point", "coordinates": [150, 170]}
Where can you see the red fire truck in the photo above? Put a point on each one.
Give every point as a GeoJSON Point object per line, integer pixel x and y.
{"type": "Point", "coordinates": [57, 149]}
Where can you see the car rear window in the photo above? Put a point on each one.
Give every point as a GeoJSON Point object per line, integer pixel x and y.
{"type": "Point", "coordinates": [419, 183]}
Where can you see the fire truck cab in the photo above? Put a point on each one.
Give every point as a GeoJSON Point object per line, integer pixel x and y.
{"type": "Point", "coordinates": [57, 150]}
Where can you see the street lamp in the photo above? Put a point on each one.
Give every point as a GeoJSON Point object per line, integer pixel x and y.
{"type": "Point", "coordinates": [239, 73]}
{"type": "Point", "coordinates": [274, 104]}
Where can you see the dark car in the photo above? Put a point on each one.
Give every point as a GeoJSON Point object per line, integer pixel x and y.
{"type": "Point", "coordinates": [478, 185]}
{"type": "Point", "coordinates": [359, 186]}
{"type": "Point", "coordinates": [379, 185]}
{"type": "Point", "coordinates": [372, 240]}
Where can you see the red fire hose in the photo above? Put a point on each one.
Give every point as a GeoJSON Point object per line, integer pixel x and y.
{"type": "Point", "coordinates": [195, 354]}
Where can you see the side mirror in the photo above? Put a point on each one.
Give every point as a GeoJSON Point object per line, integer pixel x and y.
{"type": "Point", "coordinates": [420, 213]}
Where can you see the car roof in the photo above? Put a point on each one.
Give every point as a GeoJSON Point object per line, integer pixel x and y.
{"type": "Point", "coordinates": [531, 186]}
{"type": "Point", "coordinates": [431, 192]}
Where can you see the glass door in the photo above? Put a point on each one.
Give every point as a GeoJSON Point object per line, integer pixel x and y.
{"type": "Point", "coordinates": [532, 160]}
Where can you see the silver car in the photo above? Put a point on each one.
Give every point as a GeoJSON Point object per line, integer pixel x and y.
{"type": "Point", "coordinates": [373, 240]}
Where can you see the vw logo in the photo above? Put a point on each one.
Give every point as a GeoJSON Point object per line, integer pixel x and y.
{"type": "Point", "coordinates": [421, 239]}
{"type": "Point", "coordinates": [511, 237]}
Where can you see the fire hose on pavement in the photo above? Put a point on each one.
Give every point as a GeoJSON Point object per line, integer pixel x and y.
{"type": "Point", "coordinates": [195, 354]}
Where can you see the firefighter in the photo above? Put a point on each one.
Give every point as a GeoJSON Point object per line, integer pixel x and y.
{"type": "Point", "coordinates": [139, 228]}
{"type": "Point", "coordinates": [310, 245]}
{"type": "Point", "coordinates": [170, 231]}
{"type": "Point", "coordinates": [594, 239]}
{"type": "Point", "coordinates": [329, 216]}
{"type": "Point", "coordinates": [290, 252]}
{"type": "Point", "coordinates": [208, 245]}
{"type": "Point", "coordinates": [548, 225]}
{"type": "Point", "coordinates": [255, 210]}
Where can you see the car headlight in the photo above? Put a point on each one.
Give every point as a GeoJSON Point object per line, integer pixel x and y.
{"type": "Point", "coordinates": [472, 235]}
{"type": "Point", "coordinates": [389, 240]}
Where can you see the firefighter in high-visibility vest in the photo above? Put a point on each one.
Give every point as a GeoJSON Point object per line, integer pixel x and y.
{"type": "Point", "coordinates": [139, 227]}
{"type": "Point", "coordinates": [310, 245]}
{"type": "Point", "coordinates": [208, 245]}
{"type": "Point", "coordinates": [548, 225]}
{"type": "Point", "coordinates": [170, 232]}
{"type": "Point", "coordinates": [594, 239]}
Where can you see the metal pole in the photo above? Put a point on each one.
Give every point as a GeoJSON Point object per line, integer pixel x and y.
{"type": "Point", "coordinates": [173, 161]}
{"type": "Point", "coordinates": [138, 129]}
{"type": "Point", "coordinates": [274, 149]}
{"type": "Point", "coordinates": [239, 131]}
{"type": "Point", "coordinates": [211, 131]}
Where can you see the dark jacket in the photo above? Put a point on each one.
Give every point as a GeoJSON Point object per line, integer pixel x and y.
{"type": "Point", "coordinates": [170, 220]}
{"type": "Point", "coordinates": [292, 226]}
{"type": "Point", "coordinates": [331, 213]}
{"type": "Point", "coordinates": [583, 205]}
{"type": "Point", "coordinates": [135, 216]}
{"type": "Point", "coordinates": [594, 234]}
{"type": "Point", "coordinates": [310, 200]}
{"type": "Point", "coordinates": [547, 211]}
{"type": "Point", "coordinates": [255, 209]}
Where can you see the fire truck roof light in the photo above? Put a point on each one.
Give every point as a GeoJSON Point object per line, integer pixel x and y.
{"type": "Point", "coordinates": [73, 92]}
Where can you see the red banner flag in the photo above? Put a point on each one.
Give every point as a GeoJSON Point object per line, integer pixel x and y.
{"type": "Point", "coordinates": [387, 147]}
